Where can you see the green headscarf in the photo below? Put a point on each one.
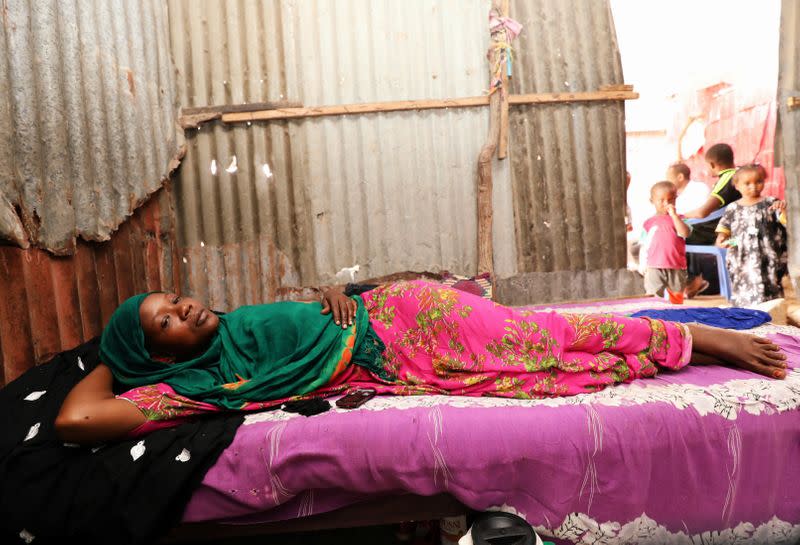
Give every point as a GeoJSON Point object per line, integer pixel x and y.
{"type": "Point", "coordinates": [259, 353]}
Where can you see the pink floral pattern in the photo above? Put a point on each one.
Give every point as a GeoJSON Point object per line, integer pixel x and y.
{"type": "Point", "coordinates": [444, 340]}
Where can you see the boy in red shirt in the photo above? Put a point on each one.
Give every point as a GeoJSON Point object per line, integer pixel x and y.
{"type": "Point", "coordinates": [665, 235]}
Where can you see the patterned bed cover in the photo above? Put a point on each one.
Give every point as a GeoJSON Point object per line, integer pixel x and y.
{"type": "Point", "coordinates": [707, 455]}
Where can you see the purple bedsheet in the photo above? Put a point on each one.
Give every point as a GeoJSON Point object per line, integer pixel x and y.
{"type": "Point", "coordinates": [708, 454]}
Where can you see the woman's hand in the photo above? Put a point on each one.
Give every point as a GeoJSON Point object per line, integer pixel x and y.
{"type": "Point", "coordinates": [342, 306]}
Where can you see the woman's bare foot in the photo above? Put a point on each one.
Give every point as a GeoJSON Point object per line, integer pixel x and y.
{"type": "Point", "coordinates": [749, 352]}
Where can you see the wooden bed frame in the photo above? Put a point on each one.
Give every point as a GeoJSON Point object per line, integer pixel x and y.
{"type": "Point", "coordinates": [384, 511]}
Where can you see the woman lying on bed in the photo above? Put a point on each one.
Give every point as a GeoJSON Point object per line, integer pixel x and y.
{"type": "Point", "coordinates": [179, 358]}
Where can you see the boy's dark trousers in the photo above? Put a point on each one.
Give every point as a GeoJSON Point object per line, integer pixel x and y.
{"type": "Point", "coordinates": [703, 234]}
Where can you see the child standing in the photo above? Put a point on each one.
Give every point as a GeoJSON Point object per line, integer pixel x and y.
{"type": "Point", "coordinates": [752, 229]}
{"type": "Point", "coordinates": [665, 239]}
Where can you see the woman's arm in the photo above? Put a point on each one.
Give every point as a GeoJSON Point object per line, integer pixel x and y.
{"type": "Point", "coordinates": [91, 414]}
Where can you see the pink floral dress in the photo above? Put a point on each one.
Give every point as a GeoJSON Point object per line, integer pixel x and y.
{"type": "Point", "coordinates": [445, 341]}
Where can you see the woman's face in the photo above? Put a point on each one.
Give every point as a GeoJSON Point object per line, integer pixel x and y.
{"type": "Point", "coordinates": [176, 326]}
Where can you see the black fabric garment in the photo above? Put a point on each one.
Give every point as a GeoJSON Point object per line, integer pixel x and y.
{"type": "Point", "coordinates": [52, 492]}
{"type": "Point", "coordinates": [358, 289]}
{"type": "Point", "coordinates": [307, 407]}
{"type": "Point", "coordinates": [704, 233]}
{"type": "Point", "coordinates": [706, 265]}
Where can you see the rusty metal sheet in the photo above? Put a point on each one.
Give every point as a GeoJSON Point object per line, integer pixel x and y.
{"type": "Point", "coordinates": [49, 304]}
{"type": "Point", "coordinates": [87, 117]}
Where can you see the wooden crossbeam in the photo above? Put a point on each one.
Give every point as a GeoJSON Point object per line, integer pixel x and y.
{"type": "Point", "coordinates": [430, 104]}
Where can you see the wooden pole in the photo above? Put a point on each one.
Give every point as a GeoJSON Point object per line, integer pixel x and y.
{"type": "Point", "coordinates": [485, 209]}
{"type": "Point", "coordinates": [432, 104]}
{"type": "Point", "coordinates": [502, 150]}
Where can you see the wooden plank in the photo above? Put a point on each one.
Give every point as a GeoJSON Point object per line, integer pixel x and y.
{"type": "Point", "coordinates": [231, 108]}
{"type": "Point", "coordinates": [386, 510]}
{"type": "Point", "coordinates": [502, 144]}
{"type": "Point", "coordinates": [346, 109]}
{"type": "Point", "coordinates": [586, 96]}
{"type": "Point", "coordinates": [191, 118]}
{"type": "Point", "coordinates": [616, 87]}
{"type": "Point", "coordinates": [431, 104]}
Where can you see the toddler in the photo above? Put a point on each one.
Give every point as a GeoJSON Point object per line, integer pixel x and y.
{"type": "Point", "coordinates": [665, 239]}
{"type": "Point", "coordinates": [752, 229]}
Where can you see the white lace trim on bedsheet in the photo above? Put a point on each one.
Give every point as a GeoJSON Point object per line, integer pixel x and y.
{"type": "Point", "coordinates": [582, 529]}
{"type": "Point", "coordinates": [754, 396]}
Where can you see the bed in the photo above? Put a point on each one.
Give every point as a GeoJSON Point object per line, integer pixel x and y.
{"type": "Point", "coordinates": [706, 455]}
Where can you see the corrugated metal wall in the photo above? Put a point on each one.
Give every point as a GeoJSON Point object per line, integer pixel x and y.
{"type": "Point", "coordinates": [87, 117]}
{"type": "Point", "coordinates": [568, 160]}
{"type": "Point", "coordinates": [51, 303]}
{"type": "Point", "coordinates": [788, 126]}
{"type": "Point", "coordinates": [387, 192]}
{"type": "Point", "coordinates": [391, 192]}
{"type": "Point", "coordinates": [268, 207]}
{"type": "Point", "coordinates": [87, 133]}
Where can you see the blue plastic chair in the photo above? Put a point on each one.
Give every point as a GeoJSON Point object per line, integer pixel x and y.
{"type": "Point", "coordinates": [716, 214]}
{"type": "Point", "coordinates": [722, 270]}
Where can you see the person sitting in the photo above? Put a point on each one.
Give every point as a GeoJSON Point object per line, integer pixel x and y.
{"type": "Point", "coordinates": [691, 194]}
{"type": "Point", "coordinates": [403, 338]}
{"type": "Point", "coordinates": [721, 164]}
{"type": "Point", "coordinates": [665, 235]}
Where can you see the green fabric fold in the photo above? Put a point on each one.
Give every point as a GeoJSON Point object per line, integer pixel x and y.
{"type": "Point", "coordinates": [259, 353]}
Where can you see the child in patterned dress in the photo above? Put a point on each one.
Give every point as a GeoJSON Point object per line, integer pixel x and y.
{"type": "Point", "coordinates": [752, 229]}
